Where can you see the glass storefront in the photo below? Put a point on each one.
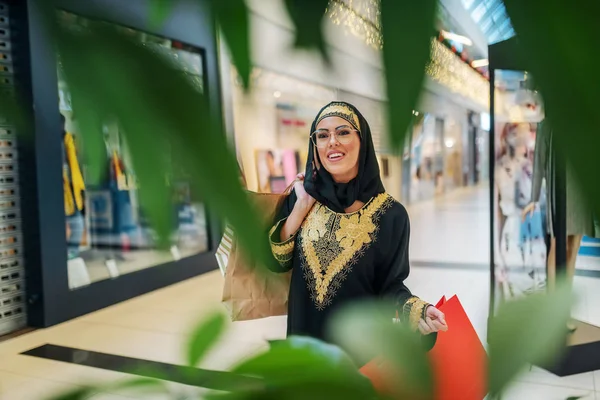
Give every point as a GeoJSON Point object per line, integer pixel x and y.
{"type": "Point", "coordinates": [272, 125]}
{"type": "Point", "coordinates": [427, 161]}
{"type": "Point", "coordinates": [520, 235]}
{"type": "Point", "coordinates": [108, 234]}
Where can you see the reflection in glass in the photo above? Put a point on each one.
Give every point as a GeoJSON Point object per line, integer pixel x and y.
{"type": "Point", "coordinates": [519, 205]}
{"type": "Point", "coordinates": [108, 233]}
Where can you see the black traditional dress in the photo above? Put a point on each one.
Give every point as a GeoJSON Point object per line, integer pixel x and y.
{"type": "Point", "coordinates": [339, 257]}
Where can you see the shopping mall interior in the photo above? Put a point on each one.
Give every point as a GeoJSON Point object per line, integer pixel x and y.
{"type": "Point", "coordinates": [108, 303]}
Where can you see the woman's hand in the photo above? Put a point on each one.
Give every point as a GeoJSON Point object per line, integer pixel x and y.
{"type": "Point", "coordinates": [304, 200]}
{"type": "Point", "coordinates": [435, 321]}
{"type": "Point", "coordinates": [304, 203]}
{"type": "Point", "coordinates": [528, 210]}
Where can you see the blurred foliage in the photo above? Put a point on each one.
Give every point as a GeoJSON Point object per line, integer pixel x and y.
{"type": "Point", "coordinates": [531, 331]}
{"type": "Point", "coordinates": [233, 19]}
{"type": "Point", "coordinates": [111, 76]}
{"type": "Point", "coordinates": [160, 11]}
{"type": "Point", "coordinates": [156, 114]}
{"type": "Point", "coordinates": [373, 335]}
{"type": "Point", "coordinates": [558, 43]}
{"type": "Point", "coordinates": [13, 112]}
{"type": "Point", "coordinates": [308, 18]}
{"type": "Point", "coordinates": [407, 29]}
{"type": "Point", "coordinates": [204, 337]}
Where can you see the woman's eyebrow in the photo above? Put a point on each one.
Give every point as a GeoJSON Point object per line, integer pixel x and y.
{"type": "Point", "coordinates": [327, 130]}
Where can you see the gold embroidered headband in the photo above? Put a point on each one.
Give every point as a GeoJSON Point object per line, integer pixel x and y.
{"type": "Point", "coordinates": [341, 110]}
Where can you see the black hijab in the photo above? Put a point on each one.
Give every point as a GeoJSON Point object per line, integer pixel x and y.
{"type": "Point", "coordinates": [318, 181]}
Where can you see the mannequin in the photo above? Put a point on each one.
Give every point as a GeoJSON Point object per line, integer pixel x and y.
{"type": "Point", "coordinates": [580, 220]}
{"type": "Point", "coordinates": [521, 248]}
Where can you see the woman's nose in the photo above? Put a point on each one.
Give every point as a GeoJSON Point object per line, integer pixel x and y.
{"type": "Point", "coordinates": [333, 140]}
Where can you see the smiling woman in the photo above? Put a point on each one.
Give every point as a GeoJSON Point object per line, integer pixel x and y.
{"type": "Point", "coordinates": [341, 234]}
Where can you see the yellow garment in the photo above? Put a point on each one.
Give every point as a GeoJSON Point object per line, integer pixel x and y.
{"type": "Point", "coordinates": [73, 183]}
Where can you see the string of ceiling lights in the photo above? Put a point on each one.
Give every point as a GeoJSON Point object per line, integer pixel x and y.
{"type": "Point", "coordinates": [453, 69]}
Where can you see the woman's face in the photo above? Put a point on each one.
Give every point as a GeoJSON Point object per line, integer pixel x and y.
{"type": "Point", "coordinates": [340, 160]}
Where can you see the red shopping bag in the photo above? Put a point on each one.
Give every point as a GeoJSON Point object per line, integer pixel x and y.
{"type": "Point", "coordinates": [458, 359]}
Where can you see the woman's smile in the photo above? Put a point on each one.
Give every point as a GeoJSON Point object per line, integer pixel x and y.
{"type": "Point", "coordinates": [335, 155]}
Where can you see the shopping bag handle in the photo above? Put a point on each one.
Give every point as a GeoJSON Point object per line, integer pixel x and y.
{"type": "Point", "coordinates": [290, 187]}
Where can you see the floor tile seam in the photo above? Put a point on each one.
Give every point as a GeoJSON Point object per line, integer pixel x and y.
{"type": "Point", "coordinates": [521, 380]}
{"type": "Point", "coordinates": [182, 334]}
{"type": "Point", "coordinates": [115, 325]}
{"type": "Point", "coordinates": [25, 375]}
{"type": "Point", "coordinates": [37, 378]}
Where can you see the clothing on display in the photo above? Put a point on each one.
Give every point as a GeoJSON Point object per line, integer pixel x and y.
{"type": "Point", "coordinates": [74, 196]}
{"type": "Point", "coordinates": [74, 186]}
{"type": "Point", "coordinates": [580, 219]}
{"type": "Point", "coordinates": [339, 257]}
{"type": "Point", "coordinates": [521, 246]}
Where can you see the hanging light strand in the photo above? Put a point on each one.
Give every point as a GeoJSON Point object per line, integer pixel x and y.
{"type": "Point", "coordinates": [362, 19]}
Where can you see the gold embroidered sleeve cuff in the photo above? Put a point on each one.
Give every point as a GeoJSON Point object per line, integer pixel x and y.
{"type": "Point", "coordinates": [413, 311]}
{"type": "Point", "coordinates": [282, 251]}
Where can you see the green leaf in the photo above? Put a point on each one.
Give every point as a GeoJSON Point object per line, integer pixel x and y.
{"type": "Point", "coordinates": [120, 95]}
{"type": "Point", "coordinates": [160, 11]}
{"type": "Point", "coordinates": [89, 120]}
{"type": "Point", "coordinates": [407, 29]}
{"type": "Point", "coordinates": [233, 19]}
{"type": "Point", "coordinates": [13, 112]}
{"type": "Point", "coordinates": [138, 386]}
{"type": "Point", "coordinates": [204, 337]}
{"type": "Point", "coordinates": [76, 394]}
{"type": "Point", "coordinates": [529, 331]}
{"type": "Point", "coordinates": [158, 109]}
{"type": "Point", "coordinates": [559, 45]}
{"type": "Point", "coordinates": [367, 332]}
{"type": "Point", "coordinates": [308, 18]}
{"type": "Point", "coordinates": [302, 368]}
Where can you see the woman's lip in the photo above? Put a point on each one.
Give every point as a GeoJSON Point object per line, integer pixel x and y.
{"type": "Point", "coordinates": [336, 159]}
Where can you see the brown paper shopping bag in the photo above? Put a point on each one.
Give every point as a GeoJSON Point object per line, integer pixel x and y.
{"type": "Point", "coordinates": [251, 291]}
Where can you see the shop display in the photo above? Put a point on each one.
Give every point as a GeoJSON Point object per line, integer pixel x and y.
{"type": "Point", "coordinates": [427, 158]}
{"type": "Point", "coordinates": [271, 125]}
{"type": "Point", "coordinates": [536, 194]}
{"type": "Point", "coordinates": [276, 169]}
{"type": "Point", "coordinates": [520, 229]}
{"type": "Point", "coordinates": [107, 230]}
{"type": "Point", "coordinates": [74, 195]}
{"type": "Point", "coordinates": [580, 218]}
{"type": "Point", "coordinates": [293, 120]}
{"type": "Point", "coordinates": [520, 236]}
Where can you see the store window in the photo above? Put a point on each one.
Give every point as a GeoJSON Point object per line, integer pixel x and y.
{"type": "Point", "coordinates": [108, 234]}
{"type": "Point", "coordinates": [427, 158]}
{"type": "Point", "coordinates": [521, 209]}
{"type": "Point", "coordinates": [272, 126]}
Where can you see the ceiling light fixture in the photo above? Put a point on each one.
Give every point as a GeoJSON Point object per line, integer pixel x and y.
{"type": "Point", "coordinates": [457, 38]}
{"type": "Point", "coordinates": [484, 62]}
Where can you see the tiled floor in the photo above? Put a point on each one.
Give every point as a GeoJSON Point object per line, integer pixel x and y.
{"type": "Point", "coordinates": [156, 326]}
{"type": "Point", "coordinates": [438, 224]}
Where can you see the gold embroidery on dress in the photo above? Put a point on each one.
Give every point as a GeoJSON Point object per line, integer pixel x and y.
{"type": "Point", "coordinates": [318, 226]}
{"type": "Point", "coordinates": [332, 243]}
{"type": "Point", "coordinates": [283, 251]}
{"type": "Point", "coordinates": [413, 311]}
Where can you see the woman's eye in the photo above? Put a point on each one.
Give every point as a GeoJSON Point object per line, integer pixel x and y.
{"type": "Point", "coordinates": [322, 135]}
{"type": "Point", "coordinates": [343, 133]}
